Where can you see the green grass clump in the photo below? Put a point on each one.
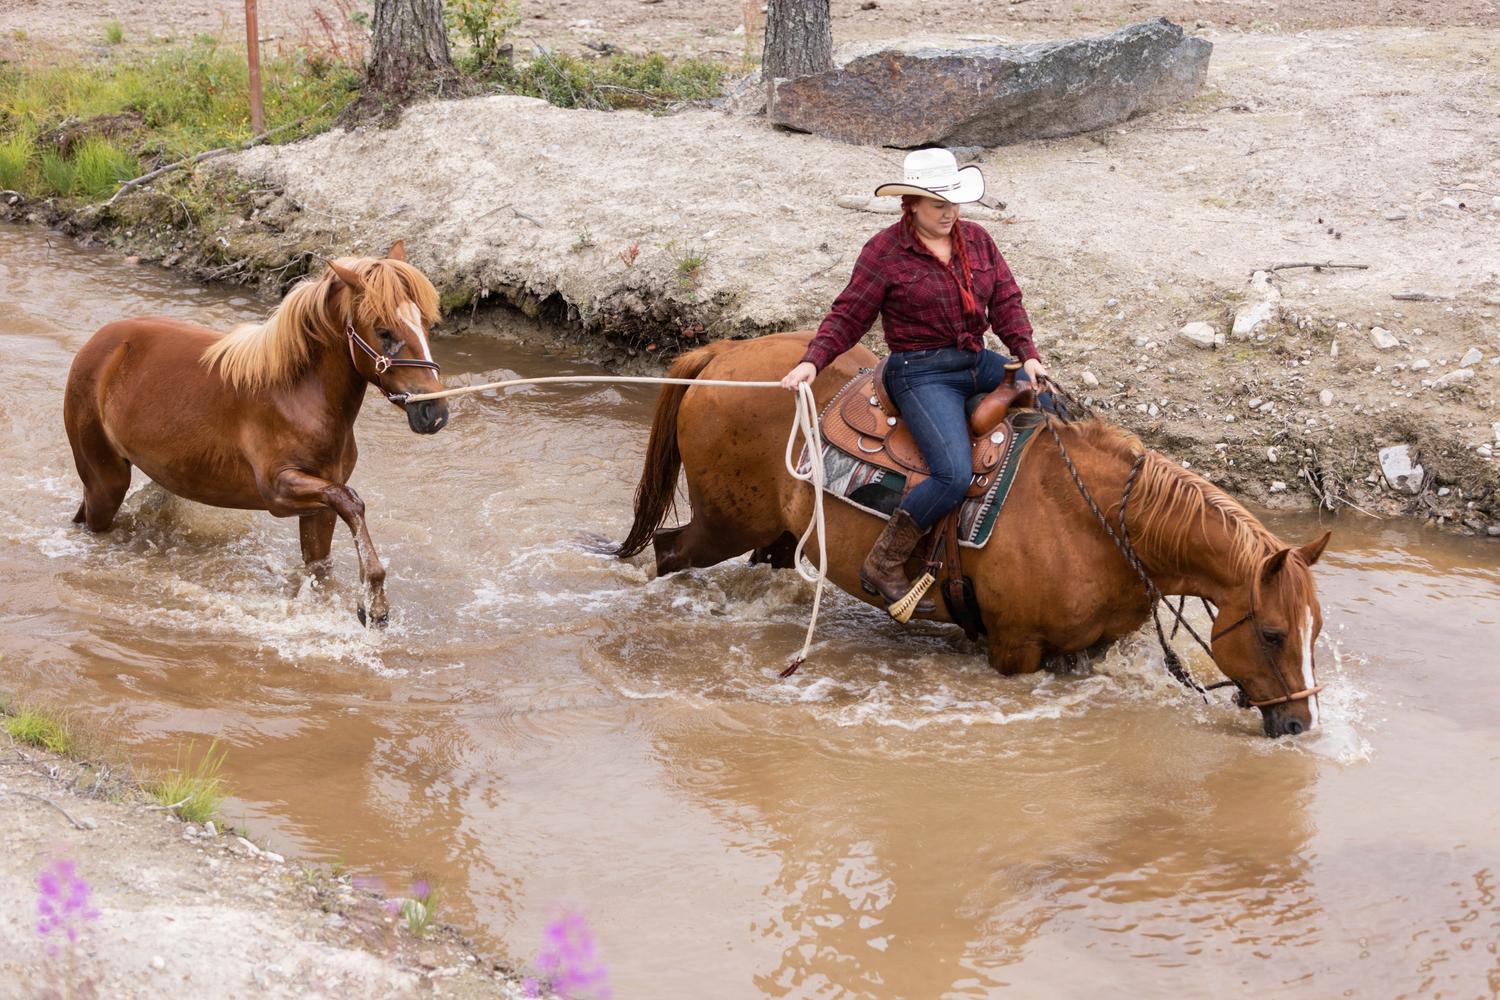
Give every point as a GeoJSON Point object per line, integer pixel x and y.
{"type": "Point", "coordinates": [162, 105]}
{"type": "Point", "coordinates": [114, 34]}
{"type": "Point", "coordinates": [58, 174]}
{"type": "Point", "coordinates": [16, 154]}
{"type": "Point", "coordinates": [652, 82]}
{"type": "Point", "coordinates": [39, 728]}
{"type": "Point", "coordinates": [418, 911]}
{"type": "Point", "coordinates": [194, 790]}
{"type": "Point", "coordinates": [100, 166]}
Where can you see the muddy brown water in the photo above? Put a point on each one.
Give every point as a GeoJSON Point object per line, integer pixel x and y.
{"type": "Point", "coordinates": [543, 729]}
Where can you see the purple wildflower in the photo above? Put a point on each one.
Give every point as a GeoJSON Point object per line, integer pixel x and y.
{"type": "Point", "coordinates": [420, 890]}
{"type": "Point", "coordinates": [570, 962]}
{"type": "Point", "coordinates": [62, 902]}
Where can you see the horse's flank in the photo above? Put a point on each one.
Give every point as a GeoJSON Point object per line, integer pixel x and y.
{"type": "Point", "coordinates": [268, 355]}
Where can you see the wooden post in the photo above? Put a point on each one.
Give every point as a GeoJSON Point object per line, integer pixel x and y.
{"type": "Point", "coordinates": [252, 38]}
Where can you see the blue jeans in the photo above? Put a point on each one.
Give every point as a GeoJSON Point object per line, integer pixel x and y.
{"type": "Point", "coordinates": [930, 388]}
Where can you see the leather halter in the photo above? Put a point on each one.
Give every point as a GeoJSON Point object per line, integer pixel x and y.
{"type": "Point", "coordinates": [385, 362]}
{"type": "Point", "coordinates": [1244, 699]}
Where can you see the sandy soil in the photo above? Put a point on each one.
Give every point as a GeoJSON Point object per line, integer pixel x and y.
{"type": "Point", "coordinates": [185, 914]}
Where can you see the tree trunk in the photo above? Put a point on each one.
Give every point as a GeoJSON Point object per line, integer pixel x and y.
{"type": "Point", "coordinates": [409, 47]}
{"type": "Point", "coordinates": [799, 39]}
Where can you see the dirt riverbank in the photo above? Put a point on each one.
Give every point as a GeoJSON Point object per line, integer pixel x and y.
{"type": "Point", "coordinates": [182, 910]}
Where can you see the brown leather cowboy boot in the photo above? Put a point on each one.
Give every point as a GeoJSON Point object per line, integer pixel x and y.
{"type": "Point", "coordinates": [884, 569]}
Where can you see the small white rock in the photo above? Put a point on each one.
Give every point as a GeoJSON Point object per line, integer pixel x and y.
{"type": "Point", "coordinates": [1273, 454]}
{"type": "Point", "coordinates": [1090, 379]}
{"type": "Point", "coordinates": [1277, 486]}
{"type": "Point", "coordinates": [1153, 410]}
{"type": "Point", "coordinates": [1484, 451]}
{"type": "Point", "coordinates": [1326, 397]}
{"type": "Point", "coordinates": [249, 847]}
{"type": "Point", "coordinates": [209, 829]}
{"type": "Point", "coordinates": [1383, 339]}
{"type": "Point", "coordinates": [1421, 364]}
{"type": "Point", "coordinates": [1453, 378]}
{"type": "Point", "coordinates": [158, 963]}
{"type": "Point", "coordinates": [1333, 349]}
{"type": "Point", "coordinates": [1449, 203]}
{"type": "Point", "coordinates": [1267, 406]}
{"type": "Point", "coordinates": [1443, 491]}
{"type": "Point", "coordinates": [1254, 402]}
{"type": "Point", "coordinates": [1401, 469]}
{"type": "Point", "coordinates": [1471, 358]}
{"type": "Point", "coordinates": [1201, 335]}
{"type": "Point", "coordinates": [1229, 418]}
{"type": "Point", "coordinates": [1496, 428]}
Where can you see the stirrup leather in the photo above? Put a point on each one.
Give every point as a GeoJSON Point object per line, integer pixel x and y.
{"type": "Point", "coordinates": [902, 610]}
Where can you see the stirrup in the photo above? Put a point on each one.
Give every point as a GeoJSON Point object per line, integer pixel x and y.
{"type": "Point", "coordinates": [902, 610]}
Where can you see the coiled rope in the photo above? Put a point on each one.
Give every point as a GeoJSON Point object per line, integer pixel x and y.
{"type": "Point", "coordinates": [804, 423]}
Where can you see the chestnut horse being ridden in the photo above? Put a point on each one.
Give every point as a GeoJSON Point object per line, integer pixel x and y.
{"type": "Point", "coordinates": [1050, 582]}
{"type": "Point", "coordinates": [261, 418]}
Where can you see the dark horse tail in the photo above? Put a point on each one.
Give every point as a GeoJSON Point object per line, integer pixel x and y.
{"type": "Point", "coordinates": [656, 494]}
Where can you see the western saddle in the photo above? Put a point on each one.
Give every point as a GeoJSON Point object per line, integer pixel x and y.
{"type": "Point", "coordinates": [863, 421]}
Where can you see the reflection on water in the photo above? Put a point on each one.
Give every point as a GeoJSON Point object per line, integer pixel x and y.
{"type": "Point", "coordinates": [543, 727]}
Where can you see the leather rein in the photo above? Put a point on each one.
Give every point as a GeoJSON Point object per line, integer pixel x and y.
{"type": "Point", "coordinates": [385, 362]}
{"type": "Point", "coordinates": [1172, 661]}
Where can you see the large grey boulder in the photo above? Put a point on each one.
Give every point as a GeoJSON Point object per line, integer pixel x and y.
{"type": "Point", "coordinates": [996, 94]}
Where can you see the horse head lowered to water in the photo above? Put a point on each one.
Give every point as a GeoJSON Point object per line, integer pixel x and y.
{"type": "Point", "coordinates": [1056, 583]}
{"type": "Point", "coordinates": [261, 418]}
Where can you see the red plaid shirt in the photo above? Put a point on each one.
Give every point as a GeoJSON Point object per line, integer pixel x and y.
{"type": "Point", "coordinates": [917, 299]}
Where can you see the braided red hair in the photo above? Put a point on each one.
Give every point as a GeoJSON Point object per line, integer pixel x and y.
{"type": "Point", "coordinates": [960, 251]}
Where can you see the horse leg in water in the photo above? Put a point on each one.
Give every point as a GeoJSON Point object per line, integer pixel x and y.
{"type": "Point", "coordinates": [294, 492]}
{"type": "Point", "coordinates": [1023, 659]}
{"type": "Point", "coordinates": [707, 540]}
{"type": "Point", "coordinates": [104, 471]}
{"type": "Point", "coordinates": [781, 554]}
{"type": "Point", "coordinates": [317, 540]}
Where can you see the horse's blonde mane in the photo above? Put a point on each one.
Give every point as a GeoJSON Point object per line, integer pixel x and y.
{"type": "Point", "coordinates": [1169, 504]}
{"type": "Point", "coordinates": [255, 356]}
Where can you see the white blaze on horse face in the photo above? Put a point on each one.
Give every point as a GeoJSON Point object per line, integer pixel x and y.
{"type": "Point", "coordinates": [412, 317]}
{"type": "Point", "coordinates": [1307, 667]}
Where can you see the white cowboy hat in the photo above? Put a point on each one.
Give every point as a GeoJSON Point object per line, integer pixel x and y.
{"type": "Point", "coordinates": [934, 173]}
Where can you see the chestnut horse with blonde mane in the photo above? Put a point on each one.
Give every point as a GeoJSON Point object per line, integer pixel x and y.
{"type": "Point", "coordinates": [261, 418]}
{"type": "Point", "coordinates": [1050, 582]}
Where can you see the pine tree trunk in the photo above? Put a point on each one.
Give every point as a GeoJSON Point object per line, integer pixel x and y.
{"type": "Point", "coordinates": [799, 39]}
{"type": "Point", "coordinates": [409, 46]}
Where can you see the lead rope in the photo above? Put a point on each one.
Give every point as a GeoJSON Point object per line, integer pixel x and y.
{"type": "Point", "coordinates": [804, 424]}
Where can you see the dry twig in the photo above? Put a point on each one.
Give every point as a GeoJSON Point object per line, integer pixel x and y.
{"type": "Point", "coordinates": [1325, 265]}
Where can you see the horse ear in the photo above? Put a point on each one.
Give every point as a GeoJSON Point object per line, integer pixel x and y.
{"type": "Point", "coordinates": [1273, 565]}
{"type": "Point", "coordinates": [397, 251]}
{"type": "Point", "coordinates": [1312, 550]}
{"type": "Point", "coordinates": [347, 275]}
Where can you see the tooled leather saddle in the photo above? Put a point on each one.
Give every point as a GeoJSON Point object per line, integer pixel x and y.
{"type": "Point", "coordinates": [862, 420]}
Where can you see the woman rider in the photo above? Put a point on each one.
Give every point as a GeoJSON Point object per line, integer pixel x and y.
{"type": "Point", "coordinates": [937, 283]}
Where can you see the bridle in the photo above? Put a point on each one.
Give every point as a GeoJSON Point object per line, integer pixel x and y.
{"type": "Point", "coordinates": [385, 362]}
{"type": "Point", "coordinates": [1241, 697]}
{"type": "Point", "coordinates": [1169, 656]}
